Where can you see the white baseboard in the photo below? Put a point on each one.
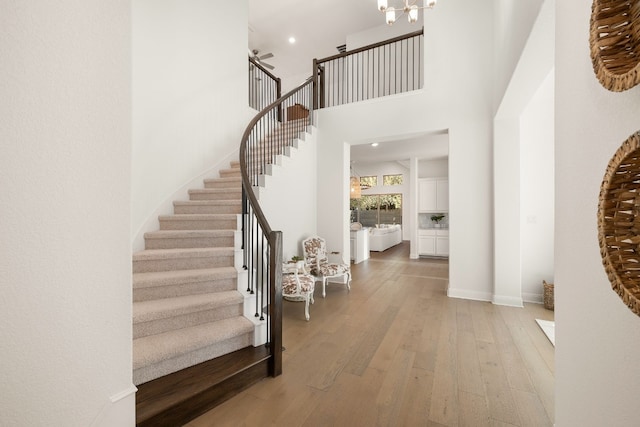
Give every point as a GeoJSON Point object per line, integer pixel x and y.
{"type": "Point", "coordinates": [506, 300]}
{"type": "Point", "coordinates": [472, 295]}
{"type": "Point", "coordinates": [119, 411]}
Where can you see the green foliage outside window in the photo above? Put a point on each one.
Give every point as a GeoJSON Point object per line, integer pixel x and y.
{"type": "Point", "coordinates": [376, 209]}
{"type": "Point", "coordinates": [369, 181]}
{"type": "Point", "coordinates": [392, 180]}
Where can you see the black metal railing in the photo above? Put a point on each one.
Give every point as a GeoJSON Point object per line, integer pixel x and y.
{"type": "Point", "coordinates": [267, 136]}
{"type": "Point", "coordinates": [264, 87]}
{"type": "Point", "coordinates": [385, 68]}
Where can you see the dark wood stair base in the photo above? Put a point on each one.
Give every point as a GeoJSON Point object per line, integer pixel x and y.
{"type": "Point", "coordinates": [180, 397]}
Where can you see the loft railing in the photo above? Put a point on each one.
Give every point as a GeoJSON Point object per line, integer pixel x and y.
{"type": "Point", "coordinates": [380, 69]}
{"type": "Point", "coordinates": [264, 87]}
{"type": "Point", "coordinates": [267, 136]}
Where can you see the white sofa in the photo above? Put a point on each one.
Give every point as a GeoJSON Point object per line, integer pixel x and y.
{"type": "Point", "coordinates": [384, 237]}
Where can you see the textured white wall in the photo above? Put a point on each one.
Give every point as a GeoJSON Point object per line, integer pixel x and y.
{"type": "Point", "coordinates": [65, 179]}
{"type": "Point", "coordinates": [536, 190]}
{"type": "Point", "coordinates": [598, 338]}
{"type": "Point", "coordinates": [189, 97]}
{"type": "Point", "coordinates": [289, 198]}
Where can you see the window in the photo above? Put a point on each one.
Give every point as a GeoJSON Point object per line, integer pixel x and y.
{"type": "Point", "coordinates": [368, 181]}
{"type": "Point", "coordinates": [392, 180]}
{"type": "Point", "coordinates": [376, 209]}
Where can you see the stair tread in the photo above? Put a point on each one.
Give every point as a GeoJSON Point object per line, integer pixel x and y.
{"type": "Point", "coordinates": [208, 202]}
{"type": "Point", "coordinates": [216, 190]}
{"type": "Point", "coordinates": [156, 348]}
{"type": "Point", "coordinates": [146, 311]}
{"type": "Point", "coordinates": [163, 278]}
{"type": "Point", "coordinates": [163, 234]}
{"type": "Point", "coordinates": [197, 217]}
{"type": "Point", "coordinates": [225, 179]}
{"type": "Point", "coordinates": [148, 254]}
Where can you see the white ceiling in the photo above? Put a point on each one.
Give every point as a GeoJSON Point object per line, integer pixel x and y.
{"type": "Point", "coordinates": [425, 146]}
{"type": "Point", "coordinates": [319, 27]}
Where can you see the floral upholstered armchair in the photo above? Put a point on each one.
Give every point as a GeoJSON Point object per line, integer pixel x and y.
{"type": "Point", "coordinates": [297, 285]}
{"type": "Point", "coordinates": [317, 262]}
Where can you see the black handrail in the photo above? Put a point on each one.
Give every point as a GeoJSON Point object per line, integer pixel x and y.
{"type": "Point", "coordinates": [268, 135]}
{"type": "Point", "coordinates": [379, 69]}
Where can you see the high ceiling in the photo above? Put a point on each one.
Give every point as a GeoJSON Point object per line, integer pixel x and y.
{"type": "Point", "coordinates": [319, 27]}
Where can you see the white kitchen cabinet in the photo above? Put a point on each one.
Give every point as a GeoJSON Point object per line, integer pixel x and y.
{"type": "Point", "coordinates": [434, 242]}
{"type": "Point", "coordinates": [359, 245]}
{"type": "Point", "coordinates": [433, 195]}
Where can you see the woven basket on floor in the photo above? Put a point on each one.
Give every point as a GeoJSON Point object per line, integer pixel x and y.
{"type": "Point", "coordinates": [619, 222]}
{"type": "Point", "coordinates": [615, 43]}
{"type": "Point", "coordinates": [547, 296]}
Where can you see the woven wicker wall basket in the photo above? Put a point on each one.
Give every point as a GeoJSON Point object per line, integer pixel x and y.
{"type": "Point", "coordinates": [619, 222]}
{"type": "Point", "coordinates": [615, 43]}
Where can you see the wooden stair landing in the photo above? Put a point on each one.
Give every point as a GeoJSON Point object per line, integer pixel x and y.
{"type": "Point", "coordinates": [178, 398]}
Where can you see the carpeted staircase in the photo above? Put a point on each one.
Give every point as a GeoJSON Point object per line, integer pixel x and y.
{"type": "Point", "coordinates": [196, 338]}
{"type": "Point", "coordinates": [187, 308]}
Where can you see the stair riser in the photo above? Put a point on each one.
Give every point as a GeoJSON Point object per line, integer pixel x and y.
{"type": "Point", "coordinates": [227, 195]}
{"type": "Point", "coordinates": [183, 289]}
{"type": "Point", "coordinates": [230, 173]}
{"type": "Point", "coordinates": [200, 224]}
{"type": "Point", "coordinates": [207, 209]}
{"type": "Point", "coordinates": [192, 263]}
{"type": "Point", "coordinates": [190, 242]}
{"type": "Point", "coordinates": [157, 370]}
{"type": "Point", "coordinates": [183, 321]}
{"type": "Point", "coordinates": [223, 184]}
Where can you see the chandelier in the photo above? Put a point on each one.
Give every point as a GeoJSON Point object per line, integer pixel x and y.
{"type": "Point", "coordinates": [410, 9]}
{"type": "Point", "coordinates": [355, 186]}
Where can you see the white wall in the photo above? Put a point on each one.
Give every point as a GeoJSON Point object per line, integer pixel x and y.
{"type": "Point", "coordinates": [536, 189]}
{"type": "Point", "coordinates": [190, 98]}
{"type": "Point", "coordinates": [435, 168]}
{"type": "Point", "coordinates": [534, 66]}
{"type": "Point", "coordinates": [288, 198]}
{"type": "Point", "coordinates": [65, 179]}
{"type": "Point", "coordinates": [512, 25]}
{"type": "Point", "coordinates": [598, 338]}
{"type": "Point", "coordinates": [464, 108]}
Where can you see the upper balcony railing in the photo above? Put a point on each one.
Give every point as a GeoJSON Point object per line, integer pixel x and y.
{"type": "Point", "coordinates": [385, 68]}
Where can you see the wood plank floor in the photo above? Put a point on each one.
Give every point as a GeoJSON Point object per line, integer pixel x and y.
{"type": "Point", "coordinates": [397, 351]}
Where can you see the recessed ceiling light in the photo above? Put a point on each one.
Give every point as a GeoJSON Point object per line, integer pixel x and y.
{"type": "Point", "coordinates": [292, 40]}
{"type": "Point", "coordinates": [375, 144]}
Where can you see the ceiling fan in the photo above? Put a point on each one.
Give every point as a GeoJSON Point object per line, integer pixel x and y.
{"type": "Point", "coordinates": [255, 54]}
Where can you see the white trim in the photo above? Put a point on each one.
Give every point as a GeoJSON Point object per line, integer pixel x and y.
{"type": "Point", "coordinates": [132, 389]}
{"type": "Point", "coordinates": [120, 410]}
{"type": "Point", "coordinates": [465, 294]}
{"type": "Point", "coordinates": [508, 301]}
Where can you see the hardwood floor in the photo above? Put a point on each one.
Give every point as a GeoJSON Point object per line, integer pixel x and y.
{"type": "Point", "coordinates": [397, 351]}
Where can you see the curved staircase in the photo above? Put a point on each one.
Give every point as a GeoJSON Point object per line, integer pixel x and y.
{"type": "Point", "coordinates": [186, 306]}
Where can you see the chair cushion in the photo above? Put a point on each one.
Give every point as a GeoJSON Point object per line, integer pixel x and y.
{"type": "Point", "coordinates": [330, 269]}
{"type": "Point", "coordinates": [289, 285]}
